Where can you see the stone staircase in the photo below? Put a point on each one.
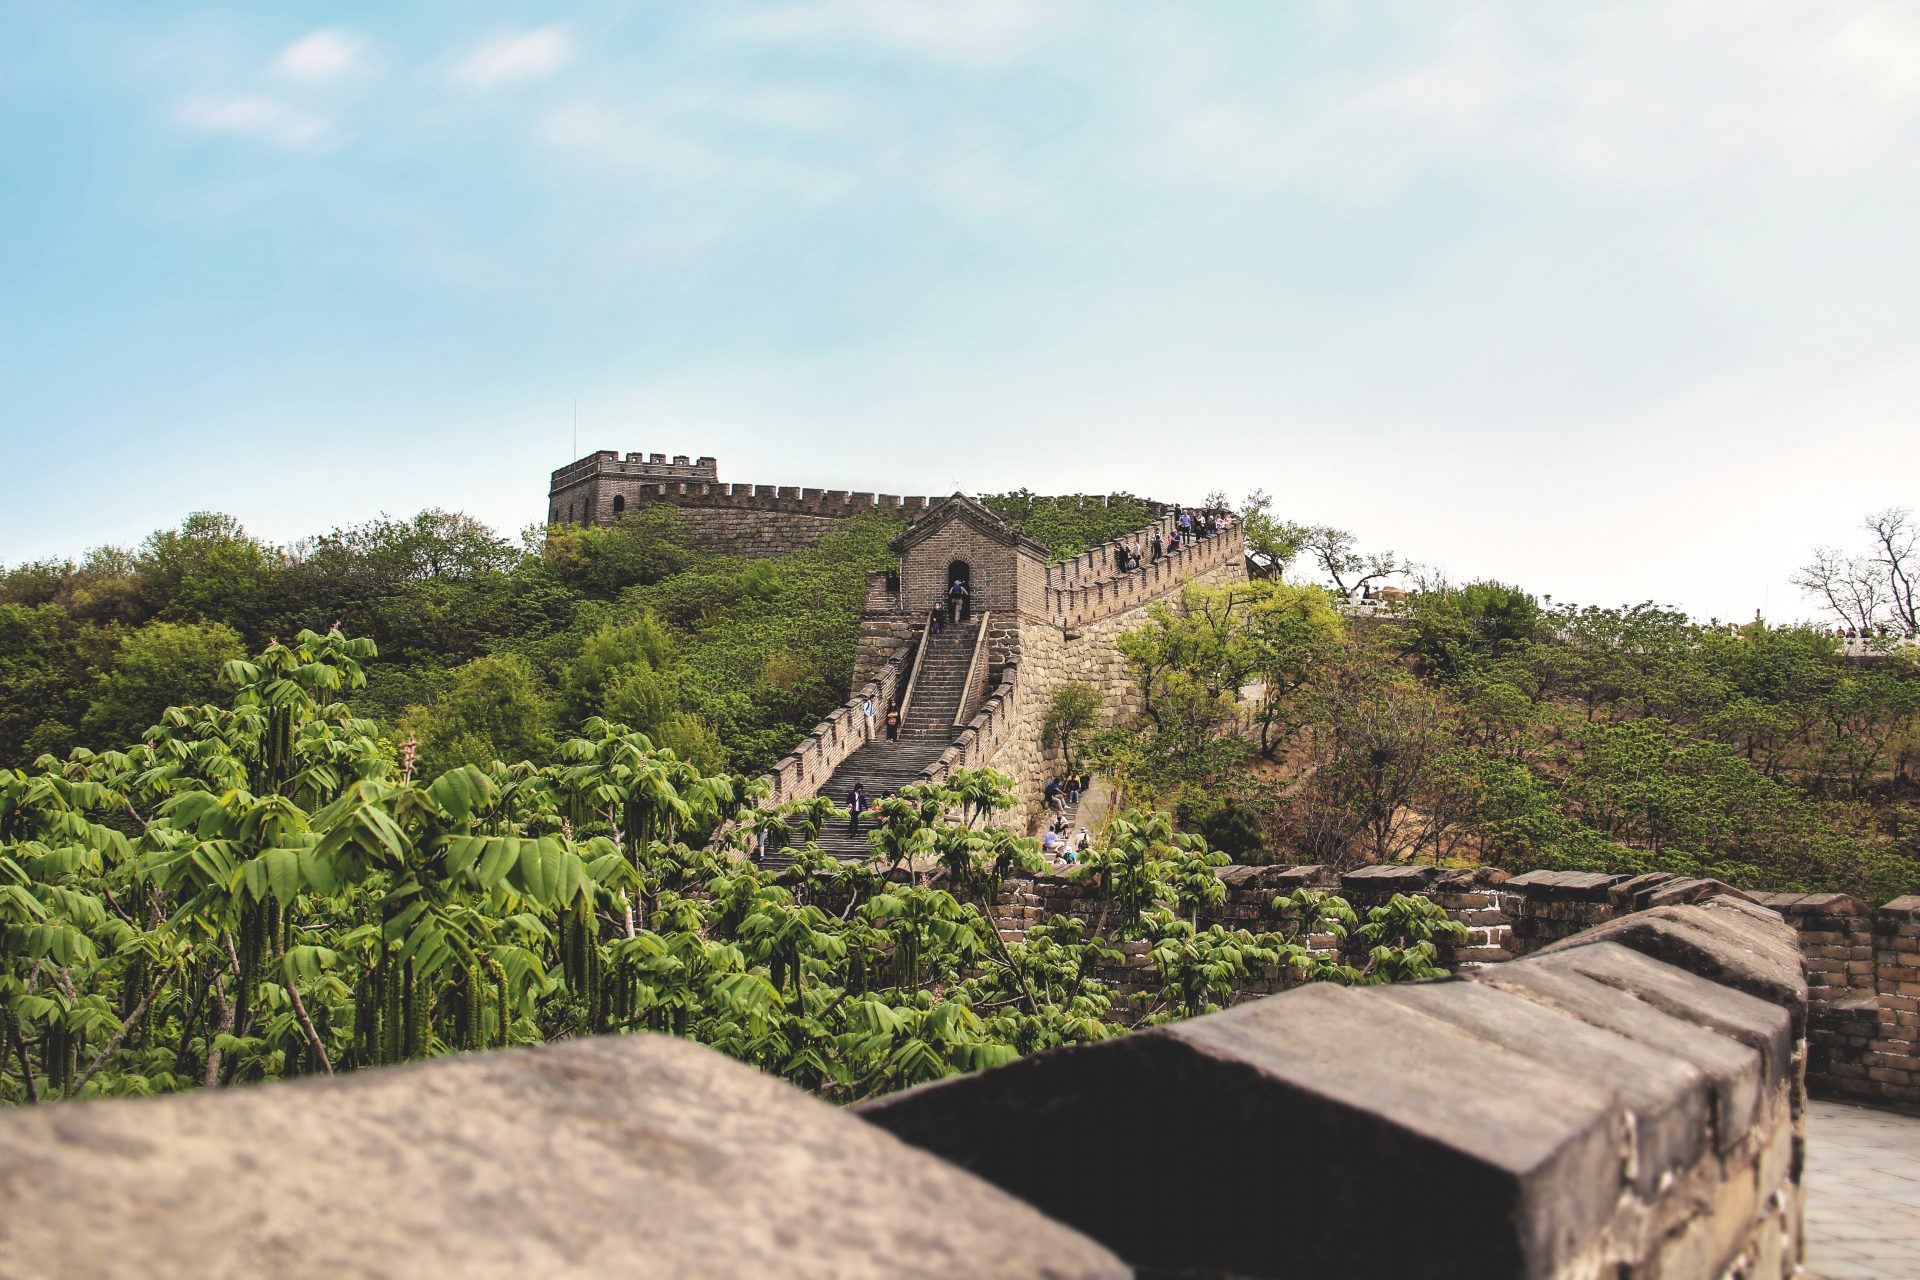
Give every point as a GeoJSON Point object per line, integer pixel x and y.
{"type": "Point", "coordinates": [925, 733]}
{"type": "Point", "coordinates": [940, 684]}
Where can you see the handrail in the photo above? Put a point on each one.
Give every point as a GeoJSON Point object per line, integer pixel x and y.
{"type": "Point", "coordinates": [913, 676]}
{"type": "Point", "coordinates": [960, 716]}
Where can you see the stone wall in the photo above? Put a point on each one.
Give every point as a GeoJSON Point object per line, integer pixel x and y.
{"type": "Point", "coordinates": [800, 772]}
{"type": "Point", "coordinates": [1049, 655]}
{"type": "Point", "coordinates": [1627, 1105]}
{"type": "Point", "coordinates": [752, 520]}
{"type": "Point", "coordinates": [1086, 595]}
{"type": "Point", "coordinates": [1862, 967]}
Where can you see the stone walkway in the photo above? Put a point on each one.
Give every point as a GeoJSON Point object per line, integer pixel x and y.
{"type": "Point", "coordinates": [1863, 1193]}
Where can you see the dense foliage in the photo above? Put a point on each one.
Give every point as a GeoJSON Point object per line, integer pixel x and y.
{"type": "Point", "coordinates": [1074, 523]}
{"type": "Point", "coordinates": [1480, 726]}
{"type": "Point", "coordinates": [488, 649]}
{"type": "Point", "coordinates": [266, 887]}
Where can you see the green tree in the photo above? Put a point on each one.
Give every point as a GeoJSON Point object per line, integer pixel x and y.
{"type": "Point", "coordinates": [157, 666]}
{"type": "Point", "coordinates": [1074, 709]}
{"type": "Point", "coordinates": [493, 710]}
{"type": "Point", "coordinates": [209, 569]}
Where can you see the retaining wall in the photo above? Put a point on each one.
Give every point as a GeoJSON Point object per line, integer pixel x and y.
{"type": "Point", "coordinates": [1630, 1106]}
{"type": "Point", "coordinates": [800, 772]}
{"type": "Point", "coordinates": [1862, 966]}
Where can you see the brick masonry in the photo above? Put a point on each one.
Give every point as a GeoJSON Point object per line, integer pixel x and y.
{"type": "Point", "coordinates": [1862, 966]}
{"type": "Point", "coordinates": [1626, 1106]}
{"type": "Point", "coordinates": [752, 520]}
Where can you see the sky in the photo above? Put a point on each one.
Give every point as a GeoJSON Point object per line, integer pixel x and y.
{"type": "Point", "coordinates": [1618, 301]}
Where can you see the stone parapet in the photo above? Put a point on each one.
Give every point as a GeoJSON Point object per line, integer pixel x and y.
{"type": "Point", "coordinates": [1597, 1111]}
{"type": "Point", "coordinates": [857, 721]}
{"type": "Point", "coordinates": [1080, 601]}
{"type": "Point", "coordinates": [1861, 968]}
{"type": "Point", "coordinates": [622, 1156]}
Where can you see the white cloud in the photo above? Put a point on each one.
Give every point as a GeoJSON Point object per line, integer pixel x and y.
{"type": "Point", "coordinates": [514, 57]}
{"type": "Point", "coordinates": [264, 119]}
{"type": "Point", "coordinates": [960, 31]}
{"type": "Point", "coordinates": [796, 110]}
{"type": "Point", "coordinates": [642, 142]}
{"type": "Point", "coordinates": [1631, 97]}
{"type": "Point", "coordinates": [322, 57]}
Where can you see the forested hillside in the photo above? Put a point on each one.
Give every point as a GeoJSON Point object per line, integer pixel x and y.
{"type": "Point", "coordinates": [410, 788]}
{"type": "Point", "coordinates": [490, 648]}
{"type": "Point", "coordinates": [1473, 725]}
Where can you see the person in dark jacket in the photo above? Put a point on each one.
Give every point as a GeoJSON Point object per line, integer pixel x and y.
{"type": "Point", "coordinates": [856, 805]}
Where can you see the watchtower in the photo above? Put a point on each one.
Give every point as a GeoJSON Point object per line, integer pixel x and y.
{"type": "Point", "coordinates": [1005, 570]}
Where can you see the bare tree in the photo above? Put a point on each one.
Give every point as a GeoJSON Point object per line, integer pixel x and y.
{"type": "Point", "coordinates": [1897, 554]}
{"type": "Point", "coordinates": [1867, 591]}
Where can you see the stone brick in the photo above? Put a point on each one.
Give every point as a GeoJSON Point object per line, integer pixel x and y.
{"type": "Point", "coordinates": [620, 1156]}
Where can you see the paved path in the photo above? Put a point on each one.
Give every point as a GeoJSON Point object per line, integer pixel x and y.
{"type": "Point", "coordinates": [1863, 1193]}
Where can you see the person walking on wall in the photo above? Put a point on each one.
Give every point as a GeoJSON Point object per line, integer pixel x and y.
{"type": "Point", "coordinates": [893, 724]}
{"type": "Point", "coordinates": [1159, 546]}
{"type": "Point", "coordinates": [959, 602]}
{"type": "Point", "coordinates": [856, 805]}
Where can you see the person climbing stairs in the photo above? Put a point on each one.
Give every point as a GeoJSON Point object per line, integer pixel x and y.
{"type": "Point", "coordinates": [926, 731]}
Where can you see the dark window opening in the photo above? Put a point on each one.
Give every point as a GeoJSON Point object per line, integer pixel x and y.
{"type": "Point", "coordinates": [959, 591]}
{"type": "Point", "coordinates": [619, 503]}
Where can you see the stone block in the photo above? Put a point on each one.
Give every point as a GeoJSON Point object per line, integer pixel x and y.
{"type": "Point", "coordinates": [1665, 1095]}
{"type": "Point", "coordinates": [1564, 886]}
{"type": "Point", "coordinates": [1766, 1028]}
{"type": "Point", "coordinates": [1476, 1161]}
{"type": "Point", "coordinates": [618, 1156]}
{"type": "Point", "coordinates": [1732, 1069]}
{"type": "Point", "coordinates": [1736, 944]}
{"type": "Point", "coordinates": [1383, 878]}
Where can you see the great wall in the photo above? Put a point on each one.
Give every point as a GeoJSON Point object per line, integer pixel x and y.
{"type": "Point", "coordinates": [1039, 625]}
{"type": "Point", "coordinates": [1613, 1085]}
{"type": "Point", "coordinates": [982, 690]}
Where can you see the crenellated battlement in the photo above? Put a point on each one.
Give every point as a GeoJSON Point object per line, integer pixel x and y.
{"type": "Point", "coordinates": [654, 466]}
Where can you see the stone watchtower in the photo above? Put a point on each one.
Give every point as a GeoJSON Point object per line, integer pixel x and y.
{"type": "Point", "coordinates": [1005, 570]}
{"type": "Point", "coordinates": [602, 486]}
{"type": "Point", "coordinates": [971, 695]}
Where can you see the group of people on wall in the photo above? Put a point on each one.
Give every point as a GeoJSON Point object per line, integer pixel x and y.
{"type": "Point", "coordinates": [1186, 527]}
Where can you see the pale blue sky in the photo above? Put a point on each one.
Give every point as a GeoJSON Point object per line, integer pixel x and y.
{"type": "Point", "coordinates": [1615, 300]}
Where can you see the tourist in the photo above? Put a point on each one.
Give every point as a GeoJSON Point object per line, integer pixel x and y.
{"type": "Point", "coordinates": [1159, 546]}
{"type": "Point", "coordinates": [866, 710]}
{"type": "Point", "coordinates": [893, 724]}
{"type": "Point", "coordinates": [1084, 843]}
{"type": "Point", "coordinates": [1073, 787]}
{"type": "Point", "coordinates": [933, 621]}
{"type": "Point", "coordinates": [1050, 794]}
{"type": "Point", "coordinates": [856, 804]}
{"type": "Point", "coordinates": [959, 604]}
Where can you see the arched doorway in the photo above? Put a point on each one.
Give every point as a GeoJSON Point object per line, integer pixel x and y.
{"type": "Point", "coordinates": [959, 603]}
{"type": "Point", "coordinates": [619, 503]}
